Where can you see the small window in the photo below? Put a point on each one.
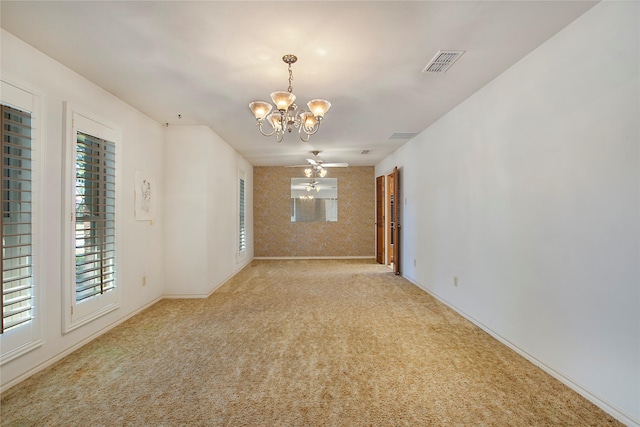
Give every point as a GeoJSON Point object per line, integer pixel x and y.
{"type": "Point", "coordinates": [91, 285]}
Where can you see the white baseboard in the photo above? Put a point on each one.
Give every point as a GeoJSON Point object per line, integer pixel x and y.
{"type": "Point", "coordinates": [311, 257]}
{"type": "Point", "coordinates": [603, 404]}
{"type": "Point", "coordinates": [73, 348]}
{"type": "Point", "coordinates": [213, 289]}
{"type": "Point", "coordinates": [66, 352]}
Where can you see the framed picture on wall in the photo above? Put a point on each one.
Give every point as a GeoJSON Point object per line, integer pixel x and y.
{"type": "Point", "coordinates": [145, 199]}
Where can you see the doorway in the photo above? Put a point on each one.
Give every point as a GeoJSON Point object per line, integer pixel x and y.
{"type": "Point", "coordinates": [388, 220]}
{"type": "Point", "coordinates": [391, 225]}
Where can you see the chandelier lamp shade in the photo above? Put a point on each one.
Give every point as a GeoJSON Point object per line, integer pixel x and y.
{"type": "Point", "coordinates": [286, 116]}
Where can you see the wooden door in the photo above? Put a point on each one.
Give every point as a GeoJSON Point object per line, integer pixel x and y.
{"type": "Point", "coordinates": [391, 222]}
{"type": "Point", "coordinates": [380, 219]}
{"type": "Point", "coordinates": [396, 220]}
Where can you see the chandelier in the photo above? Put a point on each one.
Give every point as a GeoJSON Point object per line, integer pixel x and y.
{"type": "Point", "coordinates": [287, 117]}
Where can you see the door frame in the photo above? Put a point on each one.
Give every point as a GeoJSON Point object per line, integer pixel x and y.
{"type": "Point", "coordinates": [380, 220]}
{"type": "Point", "coordinates": [390, 222]}
{"type": "Point", "coordinates": [388, 232]}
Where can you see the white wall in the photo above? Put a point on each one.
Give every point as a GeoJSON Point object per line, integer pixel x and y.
{"type": "Point", "coordinates": [529, 193]}
{"type": "Point", "coordinates": [196, 215]}
{"type": "Point", "coordinates": [201, 208]}
{"type": "Point", "coordinates": [142, 146]}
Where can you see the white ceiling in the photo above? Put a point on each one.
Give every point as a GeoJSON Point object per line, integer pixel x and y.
{"type": "Point", "coordinates": [206, 60]}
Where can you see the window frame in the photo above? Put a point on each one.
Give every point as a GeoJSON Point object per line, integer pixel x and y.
{"type": "Point", "coordinates": [20, 95]}
{"type": "Point", "coordinates": [79, 313]}
{"type": "Point", "coordinates": [241, 251]}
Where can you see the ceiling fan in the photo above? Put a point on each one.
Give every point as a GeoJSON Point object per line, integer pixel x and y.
{"type": "Point", "coordinates": [319, 164]}
{"type": "Point", "coordinates": [316, 169]}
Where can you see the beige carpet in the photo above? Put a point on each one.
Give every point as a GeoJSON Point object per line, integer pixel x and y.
{"type": "Point", "coordinates": [298, 343]}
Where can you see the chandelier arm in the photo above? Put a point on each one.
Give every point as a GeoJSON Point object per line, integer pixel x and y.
{"type": "Point", "coordinates": [301, 136]}
{"type": "Point", "coordinates": [259, 124]}
{"type": "Point", "coordinates": [297, 121]}
{"type": "Point", "coordinates": [279, 136]}
{"type": "Point", "coordinates": [313, 130]}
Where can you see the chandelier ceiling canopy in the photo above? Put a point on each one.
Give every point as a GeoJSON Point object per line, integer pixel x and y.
{"type": "Point", "coordinates": [287, 117]}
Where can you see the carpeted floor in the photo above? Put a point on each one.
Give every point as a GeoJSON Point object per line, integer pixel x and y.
{"type": "Point", "coordinates": [298, 343]}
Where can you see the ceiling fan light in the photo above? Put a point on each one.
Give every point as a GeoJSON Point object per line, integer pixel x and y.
{"type": "Point", "coordinates": [260, 109]}
{"type": "Point", "coordinates": [322, 172]}
{"type": "Point", "coordinates": [308, 172]}
{"type": "Point", "coordinates": [283, 99]}
{"type": "Point", "coordinates": [319, 107]}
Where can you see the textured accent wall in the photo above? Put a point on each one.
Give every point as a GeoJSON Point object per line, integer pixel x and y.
{"type": "Point", "coordinates": [276, 236]}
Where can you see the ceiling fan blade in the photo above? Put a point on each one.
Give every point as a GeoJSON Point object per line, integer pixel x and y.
{"type": "Point", "coordinates": [320, 164]}
{"type": "Point", "coordinates": [335, 165]}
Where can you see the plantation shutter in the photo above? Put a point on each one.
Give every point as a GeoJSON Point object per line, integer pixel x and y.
{"type": "Point", "coordinates": [242, 229]}
{"type": "Point", "coordinates": [15, 222]}
{"type": "Point", "coordinates": [95, 216]}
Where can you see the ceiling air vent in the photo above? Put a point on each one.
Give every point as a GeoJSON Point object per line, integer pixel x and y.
{"type": "Point", "coordinates": [442, 61]}
{"type": "Point", "coordinates": [402, 135]}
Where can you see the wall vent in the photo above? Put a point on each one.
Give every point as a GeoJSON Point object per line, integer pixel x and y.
{"type": "Point", "coordinates": [442, 61]}
{"type": "Point", "coordinates": [402, 135]}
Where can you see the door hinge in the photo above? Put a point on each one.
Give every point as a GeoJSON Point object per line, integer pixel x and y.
{"type": "Point", "coordinates": [72, 310]}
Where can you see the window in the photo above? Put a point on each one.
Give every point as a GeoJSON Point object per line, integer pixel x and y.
{"type": "Point", "coordinates": [95, 216]}
{"type": "Point", "coordinates": [242, 230]}
{"type": "Point", "coordinates": [91, 272]}
{"type": "Point", "coordinates": [17, 271]}
{"type": "Point", "coordinates": [21, 328]}
{"type": "Point", "coordinates": [242, 217]}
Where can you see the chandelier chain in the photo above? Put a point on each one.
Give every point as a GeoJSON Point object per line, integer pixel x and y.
{"type": "Point", "coordinates": [290, 77]}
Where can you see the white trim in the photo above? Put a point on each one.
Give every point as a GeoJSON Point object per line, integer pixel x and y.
{"type": "Point", "coordinates": [90, 338]}
{"type": "Point", "coordinates": [30, 98]}
{"type": "Point", "coordinates": [75, 315]}
{"type": "Point", "coordinates": [314, 257]}
{"type": "Point", "coordinates": [215, 288]}
{"type": "Point", "coordinates": [19, 351]}
{"type": "Point", "coordinates": [603, 404]}
{"type": "Point", "coordinates": [73, 348]}
{"type": "Point", "coordinates": [189, 296]}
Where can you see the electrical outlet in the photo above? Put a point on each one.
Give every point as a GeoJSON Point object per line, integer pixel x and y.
{"type": "Point", "coordinates": [455, 281]}
{"type": "Point", "coordinates": [144, 280]}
